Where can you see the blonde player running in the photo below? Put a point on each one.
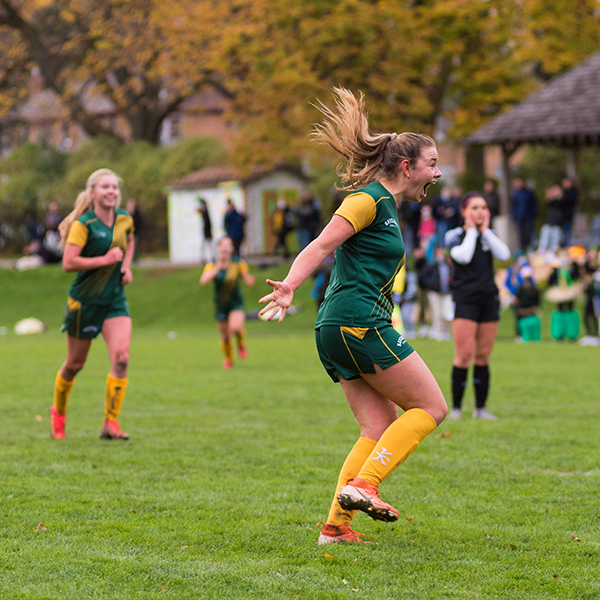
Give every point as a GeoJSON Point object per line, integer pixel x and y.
{"type": "Point", "coordinates": [226, 273]}
{"type": "Point", "coordinates": [377, 368]}
{"type": "Point", "coordinates": [97, 239]}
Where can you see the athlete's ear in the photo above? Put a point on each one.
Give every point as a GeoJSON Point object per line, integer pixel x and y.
{"type": "Point", "coordinates": [405, 168]}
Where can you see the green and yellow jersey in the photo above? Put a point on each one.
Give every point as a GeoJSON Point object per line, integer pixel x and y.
{"type": "Point", "coordinates": [100, 286]}
{"type": "Point", "coordinates": [366, 264]}
{"type": "Point", "coordinates": [228, 295]}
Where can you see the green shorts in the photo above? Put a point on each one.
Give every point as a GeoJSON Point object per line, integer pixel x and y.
{"type": "Point", "coordinates": [84, 321]}
{"type": "Point", "coordinates": [350, 351]}
{"type": "Point", "coordinates": [222, 310]}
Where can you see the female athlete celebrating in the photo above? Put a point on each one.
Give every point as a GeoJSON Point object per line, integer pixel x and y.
{"type": "Point", "coordinates": [376, 366]}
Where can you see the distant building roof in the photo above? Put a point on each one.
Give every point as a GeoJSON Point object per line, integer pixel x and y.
{"type": "Point", "coordinates": [211, 176]}
{"type": "Point", "coordinates": [563, 112]}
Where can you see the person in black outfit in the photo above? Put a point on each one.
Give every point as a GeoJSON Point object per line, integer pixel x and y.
{"type": "Point", "coordinates": [569, 204]}
{"type": "Point", "coordinates": [551, 231]}
{"type": "Point", "coordinates": [206, 244]}
{"type": "Point", "coordinates": [234, 225]}
{"type": "Point", "coordinates": [491, 197]}
{"type": "Point", "coordinates": [473, 248]}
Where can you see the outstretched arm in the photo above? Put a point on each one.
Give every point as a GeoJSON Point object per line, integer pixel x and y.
{"type": "Point", "coordinates": [337, 231]}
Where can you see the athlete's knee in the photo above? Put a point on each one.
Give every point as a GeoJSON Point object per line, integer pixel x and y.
{"type": "Point", "coordinates": [439, 409]}
{"type": "Point", "coordinates": [71, 368]}
{"type": "Point", "coordinates": [463, 360]}
{"type": "Point", "coordinates": [121, 360]}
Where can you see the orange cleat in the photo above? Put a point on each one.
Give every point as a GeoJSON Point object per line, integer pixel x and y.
{"type": "Point", "coordinates": [57, 424]}
{"type": "Point", "coordinates": [111, 431]}
{"type": "Point", "coordinates": [227, 364]}
{"type": "Point", "coordinates": [362, 495]}
{"type": "Point", "coordinates": [336, 534]}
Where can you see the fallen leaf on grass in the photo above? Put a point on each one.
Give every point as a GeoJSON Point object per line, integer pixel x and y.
{"type": "Point", "coordinates": [183, 547]}
{"type": "Point", "coordinates": [39, 418]}
{"type": "Point", "coordinates": [344, 582]}
{"type": "Point", "coordinates": [98, 500]}
{"type": "Point", "coordinates": [445, 434]}
{"type": "Point", "coordinates": [410, 518]}
{"type": "Point", "coordinates": [575, 538]}
{"type": "Point", "coordinates": [41, 527]}
{"type": "Point", "coordinates": [132, 511]}
{"type": "Point", "coordinates": [328, 555]}
{"type": "Point", "coordinates": [556, 575]}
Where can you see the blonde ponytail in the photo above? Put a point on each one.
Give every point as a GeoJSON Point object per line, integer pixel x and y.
{"type": "Point", "coordinates": [368, 156]}
{"type": "Point", "coordinates": [83, 203]}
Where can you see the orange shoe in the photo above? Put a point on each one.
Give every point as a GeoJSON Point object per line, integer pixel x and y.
{"type": "Point", "coordinates": [227, 364]}
{"type": "Point", "coordinates": [336, 534]}
{"type": "Point", "coordinates": [362, 495]}
{"type": "Point", "coordinates": [57, 424]}
{"type": "Point", "coordinates": [242, 352]}
{"type": "Point", "coordinates": [111, 431]}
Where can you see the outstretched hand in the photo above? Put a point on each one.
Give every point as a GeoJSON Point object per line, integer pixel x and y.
{"type": "Point", "coordinates": [281, 297]}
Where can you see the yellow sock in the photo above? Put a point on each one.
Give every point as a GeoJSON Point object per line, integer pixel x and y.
{"type": "Point", "coordinates": [352, 465]}
{"type": "Point", "coordinates": [113, 399]}
{"type": "Point", "coordinates": [241, 337]}
{"type": "Point", "coordinates": [227, 350]}
{"type": "Point", "coordinates": [62, 389]}
{"type": "Point", "coordinates": [396, 444]}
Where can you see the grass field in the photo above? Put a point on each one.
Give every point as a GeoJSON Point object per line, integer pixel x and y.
{"type": "Point", "coordinates": [219, 492]}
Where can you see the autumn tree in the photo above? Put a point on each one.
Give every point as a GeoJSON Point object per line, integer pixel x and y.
{"type": "Point", "coordinates": [136, 52]}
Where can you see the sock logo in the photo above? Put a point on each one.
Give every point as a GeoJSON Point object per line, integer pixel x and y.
{"type": "Point", "coordinates": [383, 457]}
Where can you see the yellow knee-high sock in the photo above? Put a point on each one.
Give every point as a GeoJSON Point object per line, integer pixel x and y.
{"type": "Point", "coordinates": [227, 350]}
{"type": "Point", "coordinates": [350, 469]}
{"type": "Point", "coordinates": [241, 337]}
{"type": "Point", "coordinates": [113, 399]}
{"type": "Point", "coordinates": [62, 390]}
{"type": "Point", "coordinates": [396, 444]}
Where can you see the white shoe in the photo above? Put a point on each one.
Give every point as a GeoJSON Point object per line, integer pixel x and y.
{"type": "Point", "coordinates": [482, 413]}
{"type": "Point", "coordinates": [455, 413]}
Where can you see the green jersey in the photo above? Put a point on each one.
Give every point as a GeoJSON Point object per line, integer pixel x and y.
{"type": "Point", "coordinates": [360, 290]}
{"type": "Point", "coordinates": [103, 285]}
{"type": "Point", "coordinates": [227, 287]}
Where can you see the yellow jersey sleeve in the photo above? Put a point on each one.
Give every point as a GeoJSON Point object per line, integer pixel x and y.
{"type": "Point", "coordinates": [243, 267]}
{"type": "Point", "coordinates": [78, 234]}
{"type": "Point", "coordinates": [358, 209]}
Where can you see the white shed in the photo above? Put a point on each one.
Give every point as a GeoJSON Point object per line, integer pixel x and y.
{"type": "Point", "coordinates": [256, 195]}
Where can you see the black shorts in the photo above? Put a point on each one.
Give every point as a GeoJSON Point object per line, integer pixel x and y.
{"type": "Point", "coordinates": [486, 311]}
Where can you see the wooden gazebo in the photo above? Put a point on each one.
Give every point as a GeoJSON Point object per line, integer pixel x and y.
{"type": "Point", "coordinates": [564, 112]}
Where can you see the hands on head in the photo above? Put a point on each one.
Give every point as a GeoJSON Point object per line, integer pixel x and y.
{"type": "Point", "coordinates": [281, 297]}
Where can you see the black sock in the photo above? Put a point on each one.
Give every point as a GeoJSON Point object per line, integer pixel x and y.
{"type": "Point", "coordinates": [459, 382]}
{"type": "Point", "coordinates": [481, 382]}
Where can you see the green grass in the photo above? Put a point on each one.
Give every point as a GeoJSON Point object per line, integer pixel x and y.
{"type": "Point", "coordinates": [219, 491]}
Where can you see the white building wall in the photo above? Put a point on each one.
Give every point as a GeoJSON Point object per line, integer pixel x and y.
{"type": "Point", "coordinates": [185, 224]}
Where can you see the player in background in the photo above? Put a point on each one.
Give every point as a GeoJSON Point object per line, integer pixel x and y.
{"type": "Point", "coordinates": [97, 240]}
{"type": "Point", "coordinates": [473, 248]}
{"type": "Point", "coordinates": [375, 365]}
{"type": "Point", "coordinates": [226, 273]}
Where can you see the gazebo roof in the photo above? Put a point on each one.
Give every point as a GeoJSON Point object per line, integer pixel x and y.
{"type": "Point", "coordinates": [563, 112]}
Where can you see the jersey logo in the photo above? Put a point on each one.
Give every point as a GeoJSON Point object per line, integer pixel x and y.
{"type": "Point", "coordinates": [99, 234]}
{"type": "Point", "coordinates": [90, 328]}
{"type": "Point", "coordinates": [391, 222]}
{"type": "Point", "coordinates": [383, 457]}
{"type": "Point", "coordinates": [400, 341]}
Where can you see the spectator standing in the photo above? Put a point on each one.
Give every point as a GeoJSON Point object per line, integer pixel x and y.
{"type": "Point", "coordinates": [552, 230]}
{"type": "Point", "coordinates": [446, 213]}
{"type": "Point", "coordinates": [306, 221]}
{"type": "Point", "coordinates": [523, 209]}
{"type": "Point", "coordinates": [426, 232]}
{"type": "Point", "coordinates": [570, 197]}
{"type": "Point", "coordinates": [527, 305]}
{"type": "Point", "coordinates": [206, 244]}
{"type": "Point", "coordinates": [491, 197]}
{"type": "Point", "coordinates": [282, 224]}
{"type": "Point", "coordinates": [473, 249]}
{"type": "Point", "coordinates": [435, 277]}
{"type": "Point", "coordinates": [234, 224]}
{"type": "Point", "coordinates": [409, 214]}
